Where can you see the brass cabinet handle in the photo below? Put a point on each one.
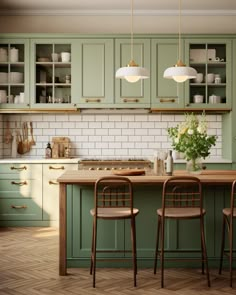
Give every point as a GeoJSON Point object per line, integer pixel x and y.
{"type": "Point", "coordinates": [130, 100]}
{"type": "Point", "coordinates": [167, 100]}
{"type": "Point", "coordinates": [19, 207]}
{"type": "Point", "coordinates": [53, 182]}
{"type": "Point", "coordinates": [56, 168]}
{"type": "Point", "coordinates": [19, 168]}
{"type": "Point", "coordinates": [93, 100]}
{"type": "Point", "coordinates": [19, 183]}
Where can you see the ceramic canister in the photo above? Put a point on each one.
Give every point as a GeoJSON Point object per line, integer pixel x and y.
{"type": "Point", "coordinates": [14, 54]}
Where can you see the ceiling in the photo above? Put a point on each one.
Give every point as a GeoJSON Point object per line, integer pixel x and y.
{"type": "Point", "coordinates": [101, 7]}
{"type": "Point", "coordinates": [113, 17]}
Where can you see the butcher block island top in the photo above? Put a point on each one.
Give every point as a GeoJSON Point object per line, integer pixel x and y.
{"type": "Point", "coordinates": [89, 177]}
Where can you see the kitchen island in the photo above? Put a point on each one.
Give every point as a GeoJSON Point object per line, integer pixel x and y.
{"type": "Point", "coordinates": [76, 199]}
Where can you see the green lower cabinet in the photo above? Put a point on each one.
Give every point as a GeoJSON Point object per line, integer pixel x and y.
{"type": "Point", "coordinates": [179, 235]}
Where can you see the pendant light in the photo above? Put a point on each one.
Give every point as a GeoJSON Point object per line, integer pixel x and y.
{"type": "Point", "coordinates": [180, 72]}
{"type": "Point", "coordinates": [132, 72]}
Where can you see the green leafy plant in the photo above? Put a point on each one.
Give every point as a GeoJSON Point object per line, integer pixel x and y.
{"type": "Point", "coordinates": [190, 137]}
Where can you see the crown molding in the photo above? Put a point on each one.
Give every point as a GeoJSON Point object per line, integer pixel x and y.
{"type": "Point", "coordinates": [71, 12]}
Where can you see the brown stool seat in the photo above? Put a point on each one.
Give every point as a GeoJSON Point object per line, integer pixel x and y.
{"type": "Point", "coordinates": [113, 200]}
{"type": "Point", "coordinates": [181, 212]}
{"type": "Point", "coordinates": [181, 199]}
{"type": "Point", "coordinates": [114, 212]}
{"type": "Point", "coordinates": [227, 212]}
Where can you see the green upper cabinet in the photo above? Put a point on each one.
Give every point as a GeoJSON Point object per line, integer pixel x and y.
{"type": "Point", "coordinates": [94, 83]}
{"type": "Point", "coordinates": [165, 93]}
{"type": "Point", "coordinates": [132, 95]}
{"type": "Point", "coordinates": [212, 58]}
{"type": "Point", "coordinates": [54, 69]}
{"type": "Point", "coordinates": [14, 73]}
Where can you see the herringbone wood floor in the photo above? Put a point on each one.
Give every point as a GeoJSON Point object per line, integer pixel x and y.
{"type": "Point", "coordinates": [29, 265]}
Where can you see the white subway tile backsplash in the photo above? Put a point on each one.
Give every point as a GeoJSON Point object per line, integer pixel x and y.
{"type": "Point", "coordinates": [101, 135]}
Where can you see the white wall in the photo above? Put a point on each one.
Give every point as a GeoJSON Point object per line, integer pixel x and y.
{"type": "Point", "coordinates": [107, 135]}
{"type": "Point", "coordinates": [117, 24]}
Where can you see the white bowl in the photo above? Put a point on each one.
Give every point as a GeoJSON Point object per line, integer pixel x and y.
{"type": "Point", "coordinates": [210, 78]}
{"type": "Point", "coordinates": [198, 98]}
{"type": "Point", "coordinates": [3, 77]}
{"type": "Point", "coordinates": [16, 77]}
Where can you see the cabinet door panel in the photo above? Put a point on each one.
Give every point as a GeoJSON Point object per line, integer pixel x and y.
{"type": "Point", "coordinates": [95, 74]}
{"type": "Point", "coordinates": [132, 94]}
{"type": "Point", "coordinates": [166, 93]}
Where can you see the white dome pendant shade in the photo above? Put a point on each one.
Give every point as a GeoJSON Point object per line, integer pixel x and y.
{"type": "Point", "coordinates": [180, 73]}
{"type": "Point", "coordinates": [132, 72]}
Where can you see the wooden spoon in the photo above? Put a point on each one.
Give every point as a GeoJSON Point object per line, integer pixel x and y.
{"type": "Point", "coordinates": [32, 142]}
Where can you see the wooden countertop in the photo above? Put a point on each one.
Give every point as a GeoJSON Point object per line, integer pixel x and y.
{"type": "Point", "coordinates": [87, 177]}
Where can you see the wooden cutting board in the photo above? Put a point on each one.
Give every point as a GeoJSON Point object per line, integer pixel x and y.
{"type": "Point", "coordinates": [129, 172]}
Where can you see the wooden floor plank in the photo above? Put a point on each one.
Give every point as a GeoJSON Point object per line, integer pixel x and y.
{"type": "Point", "coordinates": [29, 266]}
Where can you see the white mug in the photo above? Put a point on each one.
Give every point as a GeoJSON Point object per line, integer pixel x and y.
{"type": "Point", "coordinates": [21, 97]}
{"type": "Point", "coordinates": [55, 57]}
{"type": "Point", "coordinates": [14, 54]}
{"type": "Point", "coordinates": [65, 56]}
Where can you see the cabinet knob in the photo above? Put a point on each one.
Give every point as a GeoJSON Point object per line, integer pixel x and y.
{"type": "Point", "coordinates": [19, 183]}
{"type": "Point", "coordinates": [19, 168]}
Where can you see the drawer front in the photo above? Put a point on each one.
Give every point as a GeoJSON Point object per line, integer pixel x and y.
{"type": "Point", "coordinates": [29, 171]}
{"type": "Point", "coordinates": [51, 188]}
{"type": "Point", "coordinates": [21, 188]}
{"type": "Point", "coordinates": [20, 209]}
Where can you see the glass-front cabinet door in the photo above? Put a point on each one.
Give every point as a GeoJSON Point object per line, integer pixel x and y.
{"type": "Point", "coordinates": [52, 73]}
{"type": "Point", "coordinates": [14, 73]}
{"type": "Point", "coordinates": [212, 86]}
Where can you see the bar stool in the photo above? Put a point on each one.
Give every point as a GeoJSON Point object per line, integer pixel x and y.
{"type": "Point", "coordinates": [228, 217]}
{"type": "Point", "coordinates": [113, 200]}
{"type": "Point", "coordinates": [181, 199]}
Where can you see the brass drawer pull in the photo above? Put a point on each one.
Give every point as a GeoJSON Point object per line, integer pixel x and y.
{"type": "Point", "coordinates": [130, 100]}
{"type": "Point", "coordinates": [19, 207]}
{"type": "Point", "coordinates": [52, 182]}
{"type": "Point", "coordinates": [93, 100]}
{"type": "Point", "coordinates": [167, 100]}
{"type": "Point", "coordinates": [56, 168]}
{"type": "Point", "coordinates": [19, 183]}
{"type": "Point", "coordinates": [19, 168]}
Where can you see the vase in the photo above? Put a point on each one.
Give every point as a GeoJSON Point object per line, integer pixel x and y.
{"type": "Point", "coordinates": [194, 166]}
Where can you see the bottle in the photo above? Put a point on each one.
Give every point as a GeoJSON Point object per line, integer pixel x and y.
{"type": "Point", "coordinates": [48, 151]}
{"type": "Point", "coordinates": [169, 163]}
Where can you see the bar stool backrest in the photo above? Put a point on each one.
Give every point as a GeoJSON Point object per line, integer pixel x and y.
{"type": "Point", "coordinates": [233, 198]}
{"type": "Point", "coordinates": [182, 192]}
{"type": "Point", "coordinates": [113, 192]}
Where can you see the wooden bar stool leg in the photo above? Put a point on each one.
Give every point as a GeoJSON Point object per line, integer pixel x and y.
{"type": "Point", "coordinates": [231, 251]}
{"type": "Point", "coordinates": [203, 264]}
{"type": "Point", "coordinates": [222, 245]}
{"type": "Point", "coordinates": [162, 250]}
{"type": "Point", "coordinates": [133, 238]}
{"type": "Point", "coordinates": [157, 244]}
{"type": "Point", "coordinates": [204, 250]}
{"type": "Point", "coordinates": [95, 252]}
{"type": "Point", "coordinates": [92, 253]}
